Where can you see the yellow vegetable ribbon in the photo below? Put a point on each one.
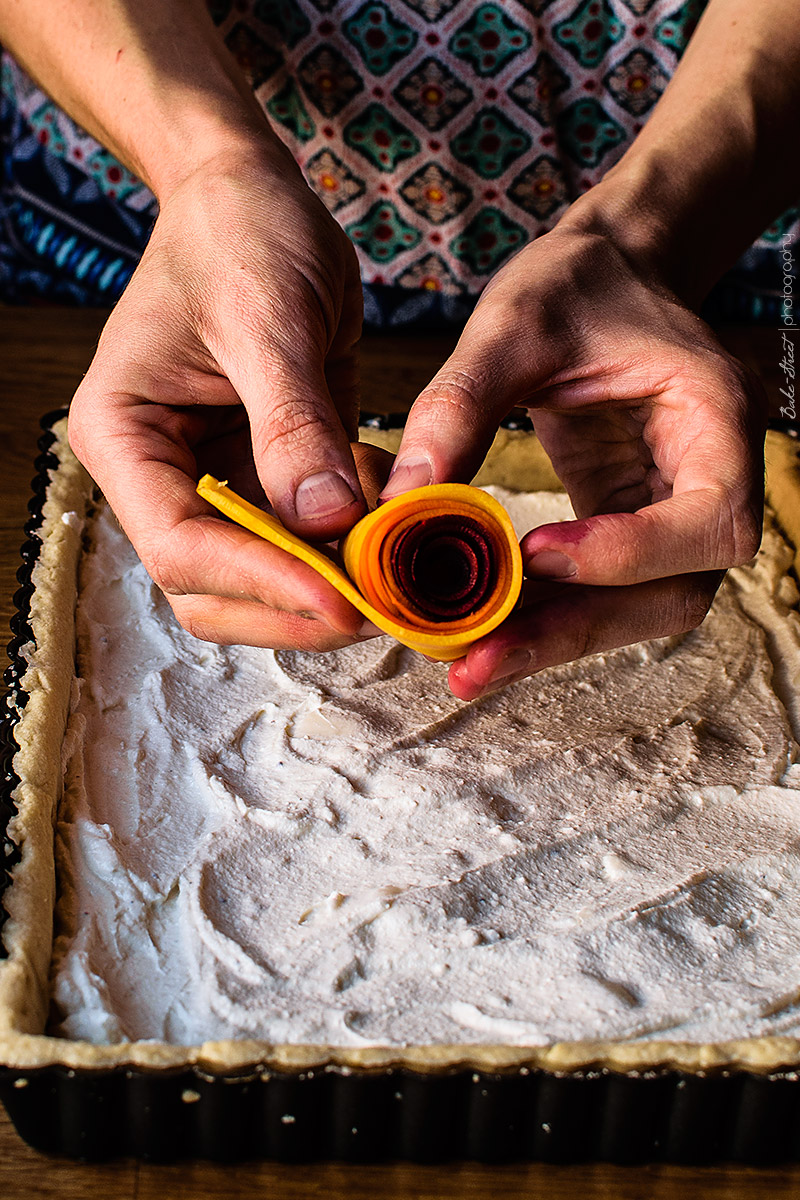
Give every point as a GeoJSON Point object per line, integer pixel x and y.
{"type": "Point", "coordinates": [436, 568]}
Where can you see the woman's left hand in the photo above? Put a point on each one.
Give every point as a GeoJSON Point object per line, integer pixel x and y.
{"type": "Point", "coordinates": [655, 431]}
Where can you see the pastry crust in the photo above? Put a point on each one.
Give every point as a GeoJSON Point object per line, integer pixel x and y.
{"type": "Point", "coordinates": [516, 461]}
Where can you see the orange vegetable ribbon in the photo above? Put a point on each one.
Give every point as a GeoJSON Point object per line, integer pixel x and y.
{"type": "Point", "coordinates": [436, 568]}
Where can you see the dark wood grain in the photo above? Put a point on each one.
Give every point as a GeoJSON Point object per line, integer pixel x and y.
{"type": "Point", "coordinates": [43, 353]}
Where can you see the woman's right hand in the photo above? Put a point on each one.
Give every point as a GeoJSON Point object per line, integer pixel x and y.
{"type": "Point", "coordinates": [233, 350]}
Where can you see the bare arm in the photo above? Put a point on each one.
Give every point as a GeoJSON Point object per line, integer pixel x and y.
{"type": "Point", "coordinates": [718, 158]}
{"type": "Point", "coordinates": [233, 348]}
{"type": "Point", "coordinates": [150, 79]}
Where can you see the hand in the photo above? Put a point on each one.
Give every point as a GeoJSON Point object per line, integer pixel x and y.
{"type": "Point", "coordinates": [654, 430]}
{"type": "Point", "coordinates": [233, 351]}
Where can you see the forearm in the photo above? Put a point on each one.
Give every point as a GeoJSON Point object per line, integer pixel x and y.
{"type": "Point", "coordinates": [717, 160]}
{"type": "Point", "coordinates": [150, 79]}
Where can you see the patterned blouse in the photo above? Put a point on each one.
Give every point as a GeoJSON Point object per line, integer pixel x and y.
{"type": "Point", "coordinates": [442, 134]}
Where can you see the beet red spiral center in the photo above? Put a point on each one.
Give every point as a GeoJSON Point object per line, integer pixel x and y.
{"type": "Point", "coordinates": [445, 566]}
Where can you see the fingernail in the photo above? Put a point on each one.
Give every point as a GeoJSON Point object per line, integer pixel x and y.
{"type": "Point", "coordinates": [516, 662]}
{"type": "Point", "coordinates": [407, 473]}
{"type": "Point", "coordinates": [552, 564]}
{"type": "Point", "coordinates": [322, 494]}
{"type": "Point", "coordinates": [369, 630]}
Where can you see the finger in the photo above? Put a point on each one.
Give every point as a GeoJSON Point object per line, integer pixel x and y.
{"type": "Point", "coordinates": [373, 465]}
{"type": "Point", "coordinates": [301, 446]}
{"type": "Point", "coordinates": [707, 529]}
{"type": "Point", "coordinates": [188, 551]}
{"type": "Point", "coordinates": [580, 621]}
{"type": "Point", "coordinates": [706, 453]}
{"type": "Point", "coordinates": [452, 422]}
{"type": "Point", "coordinates": [249, 623]}
{"type": "Point", "coordinates": [205, 555]}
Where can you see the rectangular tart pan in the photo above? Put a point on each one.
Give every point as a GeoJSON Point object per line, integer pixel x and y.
{"type": "Point", "coordinates": [686, 1104]}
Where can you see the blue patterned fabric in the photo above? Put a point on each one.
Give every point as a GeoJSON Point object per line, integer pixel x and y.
{"type": "Point", "coordinates": [74, 222]}
{"type": "Point", "coordinates": [61, 238]}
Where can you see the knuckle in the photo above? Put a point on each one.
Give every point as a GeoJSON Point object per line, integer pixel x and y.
{"type": "Point", "coordinates": [165, 572]}
{"type": "Point", "coordinates": [318, 641]}
{"type": "Point", "coordinates": [181, 558]}
{"type": "Point", "coordinates": [586, 640]}
{"type": "Point", "coordinates": [76, 430]}
{"type": "Point", "coordinates": [737, 535]}
{"type": "Point", "coordinates": [622, 563]}
{"type": "Point", "coordinates": [618, 550]}
{"type": "Point", "coordinates": [212, 619]}
{"type": "Point", "coordinates": [694, 605]}
{"type": "Point", "coordinates": [85, 421]}
{"type": "Point", "coordinates": [197, 618]}
{"type": "Point", "coordinates": [454, 387]}
{"type": "Point", "coordinates": [199, 629]}
{"type": "Point", "coordinates": [578, 633]}
{"type": "Point", "coordinates": [293, 423]}
{"type": "Point", "coordinates": [301, 630]}
{"type": "Point", "coordinates": [745, 385]}
{"type": "Point", "coordinates": [747, 535]}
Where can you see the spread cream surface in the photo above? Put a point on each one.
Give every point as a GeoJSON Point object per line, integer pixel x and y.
{"type": "Point", "coordinates": [333, 849]}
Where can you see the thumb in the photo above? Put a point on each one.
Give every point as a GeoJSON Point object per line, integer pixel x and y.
{"type": "Point", "coordinates": [452, 423]}
{"type": "Point", "coordinates": [301, 447]}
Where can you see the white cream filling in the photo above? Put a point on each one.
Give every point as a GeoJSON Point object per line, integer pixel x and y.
{"type": "Point", "coordinates": [332, 849]}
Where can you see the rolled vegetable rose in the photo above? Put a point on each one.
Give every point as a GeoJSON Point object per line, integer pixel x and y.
{"type": "Point", "coordinates": [437, 568]}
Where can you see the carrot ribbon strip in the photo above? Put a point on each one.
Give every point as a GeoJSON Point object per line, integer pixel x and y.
{"type": "Point", "coordinates": [437, 568]}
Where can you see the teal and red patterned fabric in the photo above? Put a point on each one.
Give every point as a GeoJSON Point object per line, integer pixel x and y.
{"type": "Point", "coordinates": [442, 134]}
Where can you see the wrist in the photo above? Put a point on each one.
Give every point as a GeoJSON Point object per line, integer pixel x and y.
{"type": "Point", "coordinates": [651, 220]}
{"type": "Point", "coordinates": [152, 81]}
{"type": "Point", "coordinates": [700, 183]}
{"type": "Point", "coordinates": [195, 126]}
{"type": "Point", "coordinates": [218, 146]}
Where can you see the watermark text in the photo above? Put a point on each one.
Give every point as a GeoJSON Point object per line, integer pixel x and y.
{"type": "Point", "coordinates": [789, 322]}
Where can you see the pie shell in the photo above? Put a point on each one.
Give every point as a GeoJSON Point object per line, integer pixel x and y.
{"type": "Point", "coordinates": [38, 710]}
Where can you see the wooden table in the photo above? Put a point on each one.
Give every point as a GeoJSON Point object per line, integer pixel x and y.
{"type": "Point", "coordinates": [43, 353]}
